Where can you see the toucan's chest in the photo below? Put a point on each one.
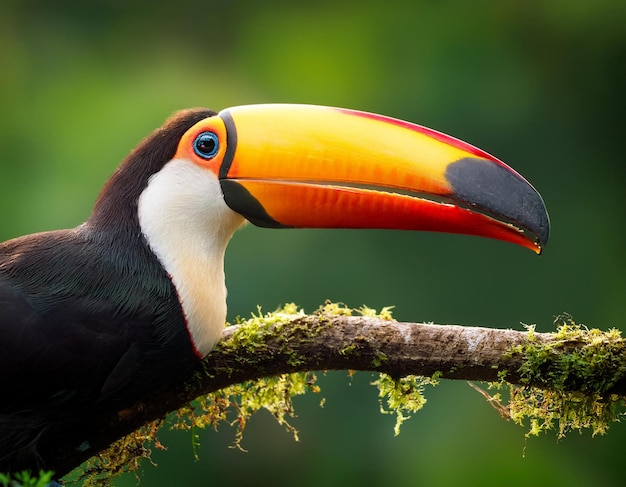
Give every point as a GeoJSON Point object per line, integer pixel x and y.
{"type": "Point", "coordinates": [87, 322]}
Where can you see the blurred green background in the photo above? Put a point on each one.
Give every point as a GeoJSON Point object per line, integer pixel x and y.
{"type": "Point", "coordinates": [539, 84]}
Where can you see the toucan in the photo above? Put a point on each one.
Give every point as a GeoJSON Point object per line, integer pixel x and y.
{"type": "Point", "coordinates": [96, 317]}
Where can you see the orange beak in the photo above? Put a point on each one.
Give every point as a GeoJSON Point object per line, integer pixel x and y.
{"type": "Point", "coordinates": [320, 167]}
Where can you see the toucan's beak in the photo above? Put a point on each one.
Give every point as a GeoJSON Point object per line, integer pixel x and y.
{"type": "Point", "coordinates": [320, 167]}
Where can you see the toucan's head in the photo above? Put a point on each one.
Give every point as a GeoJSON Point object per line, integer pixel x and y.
{"type": "Point", "coordinates": [311, 166]}
{"type": "Point", "coordinates": [195, 180]}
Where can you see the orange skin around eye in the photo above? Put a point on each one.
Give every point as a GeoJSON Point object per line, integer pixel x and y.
{"type": "Point", "coordinates": [185, 147]}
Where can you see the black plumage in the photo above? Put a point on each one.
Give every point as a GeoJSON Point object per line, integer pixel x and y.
{"type": "Point", "coordinates": [89, 319]}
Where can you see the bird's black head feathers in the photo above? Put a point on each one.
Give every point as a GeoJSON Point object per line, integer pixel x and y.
{"type": "Point", "coordinates": [124, 187]}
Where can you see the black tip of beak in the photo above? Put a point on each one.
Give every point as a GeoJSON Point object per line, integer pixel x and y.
{"type": "Point", "coordinates": [501, 193]}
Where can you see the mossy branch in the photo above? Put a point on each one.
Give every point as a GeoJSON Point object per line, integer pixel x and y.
{"type": "Point", "coordinates": [586, 363]}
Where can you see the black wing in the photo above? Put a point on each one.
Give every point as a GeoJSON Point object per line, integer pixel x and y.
{"type": "Point", "coordinates": [79, 321]}
{"type": "Point", "coordinates": [82, 328]}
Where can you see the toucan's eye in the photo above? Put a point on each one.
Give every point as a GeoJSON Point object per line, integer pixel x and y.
{"type": "Point", "coordinates": [206, 145]}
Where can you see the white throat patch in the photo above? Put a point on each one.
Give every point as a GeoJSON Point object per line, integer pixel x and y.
{"type": "Point", "coordinates": [187, 224]}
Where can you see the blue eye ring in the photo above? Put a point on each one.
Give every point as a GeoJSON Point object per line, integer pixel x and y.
{"type": "Point", "coordinates": [206, 145]}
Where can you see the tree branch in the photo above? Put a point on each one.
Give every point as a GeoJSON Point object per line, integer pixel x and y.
{"type": "Point", "coordinates": [332, 342]}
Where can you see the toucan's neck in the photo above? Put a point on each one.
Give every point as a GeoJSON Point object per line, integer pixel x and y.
{"type": "Point", "coordinates": [143, 206]}
{"type": "Point", "coordinates": [187, 225]}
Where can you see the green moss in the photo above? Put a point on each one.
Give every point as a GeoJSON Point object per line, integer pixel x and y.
{"type": "Point", "coordinates": [568, 380]}
{"type": "Point", "coordinates": [250, 336]}
{"type": "Point", "coordinates": [234, 405]}
{"type": "Point", "coordinates": [402, 397]}
{"type": "Point", "coordinates": [379, 359]}
{"type": "Point", "coordinates": [125, 455]}
{"type": "Point", "coordinates": [589, 361]}
{"type": "Point", "coordinates": [336, 309]}
{"type": "Point", "coordinates": [348, 350]}
{"type": "Point", "coordinates": [383, 314]}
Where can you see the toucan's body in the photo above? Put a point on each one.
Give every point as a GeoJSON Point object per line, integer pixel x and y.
{"type": "Point", "coordinates": [96, 317]}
